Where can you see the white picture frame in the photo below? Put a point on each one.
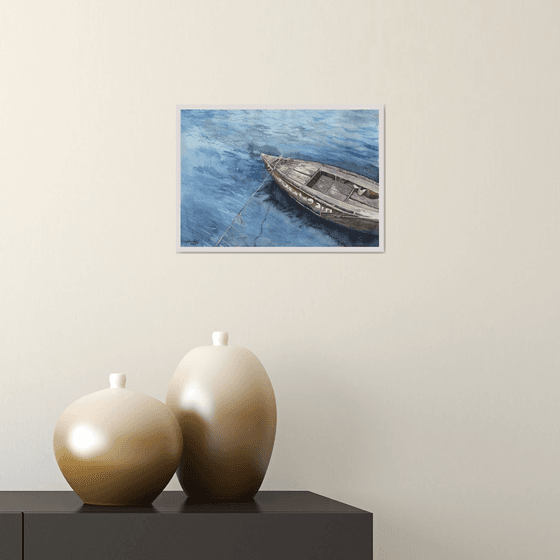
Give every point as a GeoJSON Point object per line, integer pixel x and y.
{"type": "Point", "coordinates": [216, 141]}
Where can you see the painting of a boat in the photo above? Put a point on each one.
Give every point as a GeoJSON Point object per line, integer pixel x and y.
{"type": "Point", "coordinates": [337, 195]}
{"type": "Point", "coordinates": [280, 179]}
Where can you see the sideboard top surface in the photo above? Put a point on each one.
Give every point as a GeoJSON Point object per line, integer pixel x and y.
{"type": "Point", "coordinates": [175, 502]}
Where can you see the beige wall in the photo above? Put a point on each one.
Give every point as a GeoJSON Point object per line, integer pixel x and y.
{"type": "Point", "coordinates": [421, 384]}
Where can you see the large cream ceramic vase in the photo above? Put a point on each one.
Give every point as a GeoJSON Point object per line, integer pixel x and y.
{"type": "Point", "coordinates": [118, 447]}
{"type": "Point", "coordinates": [225, 405]}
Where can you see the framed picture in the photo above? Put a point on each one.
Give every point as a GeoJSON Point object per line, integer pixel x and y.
{"type": "Point", "coordinates": [291, 179]}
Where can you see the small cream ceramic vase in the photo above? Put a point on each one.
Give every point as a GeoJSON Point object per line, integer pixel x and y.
{"type": "Point", "coordinates": [117, 447]}
{"type": "Point", "coordinates": [226, 408]}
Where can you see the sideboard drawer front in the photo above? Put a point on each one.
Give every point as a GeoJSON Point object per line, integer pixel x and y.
{"type": "Point", "coordinates": [11, 530]}
{"type": "Point", "coordinates": [205, 536]}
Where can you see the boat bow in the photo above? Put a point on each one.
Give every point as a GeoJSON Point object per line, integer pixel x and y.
{"type": "Point", "coordinates": [269, 161]}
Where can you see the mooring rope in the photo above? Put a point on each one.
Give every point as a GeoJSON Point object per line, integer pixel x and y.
{"type": "Point", "coordinates": [238, 214]}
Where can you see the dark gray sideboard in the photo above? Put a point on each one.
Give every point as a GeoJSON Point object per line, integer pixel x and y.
{"type": "Point", "coordinates": [278, 525]}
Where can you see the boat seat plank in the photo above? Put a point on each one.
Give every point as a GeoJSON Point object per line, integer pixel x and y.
{"type": "Point", "coordinates": [306, 169]}
{"type": "Point", "coordinates": [295, 176]}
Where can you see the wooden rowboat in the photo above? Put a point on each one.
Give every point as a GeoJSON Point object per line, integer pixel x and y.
{"type": "Point", "coordinates": [340, 196]}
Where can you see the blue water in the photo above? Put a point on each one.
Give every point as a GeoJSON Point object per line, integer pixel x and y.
{"type": "Point", "coordinates": [228, 199]}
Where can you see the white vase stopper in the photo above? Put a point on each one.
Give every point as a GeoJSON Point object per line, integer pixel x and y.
{"type": "Point", "coordinates": [117, 380]}
{"type": "Point", "coordinates": [220, 338]}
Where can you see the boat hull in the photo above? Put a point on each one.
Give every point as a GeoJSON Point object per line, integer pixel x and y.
{"type": "Point", "coordinates": [314, 186]}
